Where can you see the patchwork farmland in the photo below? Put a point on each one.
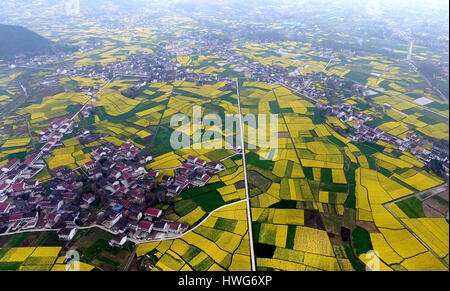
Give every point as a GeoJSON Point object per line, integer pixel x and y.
{"type": "Point", "coordinates": [123, 142]}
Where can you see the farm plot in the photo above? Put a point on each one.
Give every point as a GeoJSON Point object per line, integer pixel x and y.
{"type": "Point", "coordinates": [219, 243]}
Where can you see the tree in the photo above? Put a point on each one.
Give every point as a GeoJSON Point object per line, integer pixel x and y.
{"type": "Point", "coordinates": [436, 166]}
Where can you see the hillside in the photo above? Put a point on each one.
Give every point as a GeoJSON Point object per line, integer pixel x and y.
{"type": "Point", "coordinates": [17, 40]}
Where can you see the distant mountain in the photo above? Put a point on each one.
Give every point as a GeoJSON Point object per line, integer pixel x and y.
{"type": "Point", "coordinates": [16, 40]}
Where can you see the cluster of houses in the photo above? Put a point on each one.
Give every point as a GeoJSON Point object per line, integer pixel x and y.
{"type": "Point", "coordinates": [17, 220]}
{"type": "Point", "coordinates": [292, 78]}
{"type": "Point", "coordinates": [156, 67]}
{"type": "Point", "coordinates": [344, 113]}
{"type": "Point", "coordinates": [31, 207]}
{"type": "Point", "coordinates": [195, 173]}
{"type": "Point", "coordinates": [53, 135]}
{"type": "Point", "coordinates": [27, 198]}
{"type": "Point", "coordinates": [57, 129]}
{"type": "Point", "coordinates": [14, 176]}
{"type": "Point", "coordinates": [124, 217]}
{"type": "Point", "coordinates": [365, 132]}
{"type": "Point", "coordinates": [66, 204]}
{"type": "Point", "coordinates": [128, 184]}
{"type": "Point", "coordinates": [120, 170]}
{"type": "Point", "coordinates": [146, 226]}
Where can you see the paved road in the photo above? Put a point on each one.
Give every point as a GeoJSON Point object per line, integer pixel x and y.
{"type": "Point", "coordinates": [24, 231]}
{"type": "Point", "coordinates": [85, 104]}
{"type": "Point", "coordinates": [247, 193]}
{"type": "Point", "coordinates": [433, 191]}
{"type": "Point", "coordinates": [329, 62]}
{"type": "Point", "coordinates": [409, 57]}
{"type": "Point", "coordinates": [130, 259]}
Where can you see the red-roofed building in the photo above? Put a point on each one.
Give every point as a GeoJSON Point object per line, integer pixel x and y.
{"type": "Point", "coordinates": [50, 204]}
{"type": "Point", "coordinates": [200, 162]}
{"type": "Point", "coordinates": [174, 227]}
{"type": "Point", "coordinates": [51, 219]}
{"type": "Point", "coordinates": [69, 196]}
{"type": "Point", "coordinates": [200, 169]}
{"type": "Point", "coordinates": [52, 216]}
{"type": "Point", "coordinates": [187, 166]}
{"type": "Point", "coordinates": [126, 146]}
{"type": "Point", "coordinates": [358, 124]}
{"type": "Point", "coordinates": [122, 166]}
{"type": "Point", "coordinates": [137, 195]}
{"type": "Point", "coordinates": [90, 165]}
{"type": "Point", "coordinates": [126, 204]}
{"type": "Point", "coordinates": [120, 189]}
{"type": "Point", "coordinates": [217, 166]}
{"type": "Point", "coordinates": [116, 174]}
{"type": "Point", "coordinates": [118, 240]}
{"type": "Point", "coordinates": [3, 187]}
{"type": "Point", "coordinates": [47, 147]}
{"type": "Point", "coordinates": [153, 212]}
{"type": "Point", "coordinates": [58, 136]}
{"type": "Point", "coordinates": [88, 198]}
{"type": "Point", "coordinates": [417, 149]}
{"type": "Point", "coordinates": [5, 207]}
{"type": "Point", "coordinates": [57, 122]}
{"type": "Point", "coordinates": [15, 217]}
{"type": "Point", "coordinates": [52, 141]}
{"type": "Point", "coordinates": [153, 174]}
{"type": "Point", "coordinates": [181, 180]}
{"type": "Point", "coordinates": [161, 226]}
{"type": "Point", "coordinates": [15, 226]}
{"type": "Point", "coordinates": [146, 226]}
{"type": "Point", "coordinates": [67, 233]}
{"type": "Point", "coordinates": [192, 159]}
{"type": "Point", "coordinates": [18, 187]}
{"type": "Point", "coordinates": [205, 178]}
{"type": "Point", "coordinates": [11, 165]}
{"type": "Point", "coordinates": [185, 172]}
{"type": "Point", "coordinates": [33, 158]}
{"type": "Point", "coordinates": [378, 131]}
{"type": "Point", "coordinates": [85, 132]}
{"type": "Point", "coordinates": [126, 175]}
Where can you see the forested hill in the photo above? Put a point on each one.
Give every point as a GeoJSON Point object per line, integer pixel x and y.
{"type": "Point", "coordinates": [15, 40]}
